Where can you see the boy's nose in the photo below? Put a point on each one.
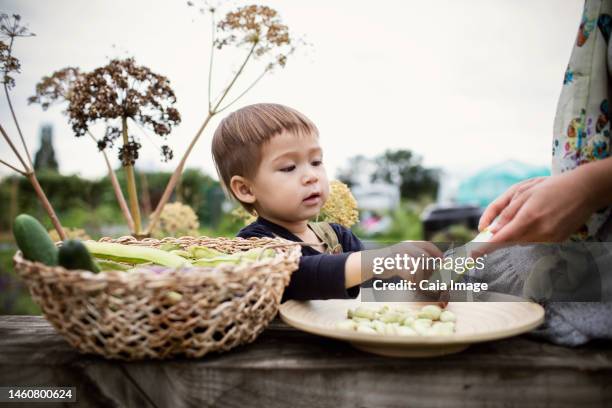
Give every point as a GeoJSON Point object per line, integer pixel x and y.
{"type": "Point", "coordinates": [309, 177]}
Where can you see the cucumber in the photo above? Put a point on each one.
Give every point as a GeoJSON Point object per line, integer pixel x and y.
{"type": "Point", "coordinates": [34, 241]}
{"type": "Point", "coordinates": [74, 255]}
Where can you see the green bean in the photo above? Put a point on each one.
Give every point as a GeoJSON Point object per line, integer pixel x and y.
{"type": "Point", "coordinates": [430, 320]}
{"type": "Point", "coordinates": [134, 254]}
{"type": "Point", "coordinates": [365, 312]}
{"type": "Point", "coordinates": [447, 316]}
{"type": "Point", "coordinates": [430, 312]}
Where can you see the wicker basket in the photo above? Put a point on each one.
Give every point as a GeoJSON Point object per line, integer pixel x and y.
{"type": "Point", "coordinates": [190, 312]}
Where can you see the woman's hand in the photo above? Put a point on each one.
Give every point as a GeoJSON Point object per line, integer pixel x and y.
{"type": "Point", "coordinates": [501, 202]}
{"type": "Point", "coordinates": [544, 209]}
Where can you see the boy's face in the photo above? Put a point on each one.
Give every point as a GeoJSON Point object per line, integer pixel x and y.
{"type": "Point", "coordinates": [291, 184]}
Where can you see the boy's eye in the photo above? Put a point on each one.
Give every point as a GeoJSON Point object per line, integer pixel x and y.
{"type": "Point", "coordinates": [317, 162]}
{"type": "Point", "coordinates": [288, 168]}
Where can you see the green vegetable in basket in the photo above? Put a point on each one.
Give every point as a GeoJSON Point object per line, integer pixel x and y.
{"type": "Point", "coordinates": [34, 241]}
{"type": "Point", "coordinates": [108, 265]}
{"type": "Point", "coordinates": [218, 260]}
{"type": "Point", "coordinates": [236, 258]}
{"type": "Point", "coordinates": [74, 255]}
{"type": "Point", "coordinates": [169, 246]}
{"type": "Point", "coordinates": [134, 254]}
{"type": "Point", "coordinates": [256, 253]}
{"type": "Point", "coordinates": [198, 252]}
{"type": "Point", "coordinates": [181, 252]}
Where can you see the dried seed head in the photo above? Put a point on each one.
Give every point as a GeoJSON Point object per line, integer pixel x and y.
{"type": "Point", "coordinates": [55, 88]}
{"type": "Point", "coordinates": [166, 153]}
{"type": "Point", "coordinates": [122, 89]}
{"type": "Point", "coordinates": [128, 153]}
{"type": "Point", "coordinates": [8, 65]}
{"type": "Point", "coordinates": [177, 219]}
{"type": "Point", "coordinates": [111, 134]}
{"type": "Point", "coordinates": [259, 27]}
{"type": "Point", "coordinates": [341, 206]}
{"type": "Point", "coordinates": [11, 27]}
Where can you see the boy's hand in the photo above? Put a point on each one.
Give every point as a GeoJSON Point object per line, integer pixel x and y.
{"type": "Point", "coordinates": [423, 250]}
{"type": "Point", "coordinates": [416, 249]}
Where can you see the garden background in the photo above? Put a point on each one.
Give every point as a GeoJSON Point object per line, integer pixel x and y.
{"type": "Point", "coordinates": [426, 97]}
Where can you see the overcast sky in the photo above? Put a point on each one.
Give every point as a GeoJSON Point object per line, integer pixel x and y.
{"type": "Point", "coordinates": [463, 83]}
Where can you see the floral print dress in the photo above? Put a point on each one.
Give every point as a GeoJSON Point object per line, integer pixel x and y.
{"type": "Point", "coordinates": [582, 122]}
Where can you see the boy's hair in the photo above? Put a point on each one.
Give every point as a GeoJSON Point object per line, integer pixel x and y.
{"type": "Point", "coordinates": [236, 144]}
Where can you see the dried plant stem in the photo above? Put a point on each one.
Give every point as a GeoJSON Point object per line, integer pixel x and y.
{"type": "Point", "coordinates": [144, 190]}
{"type": "Point", "coordinates": [243, 92]}
{"type": "Point", "coordinates": [14, 149]}
{"type": "Point", "coordinates": [10, 104]}
{"type": "Point", "coordinates": [233, 81]}
{"type": "Point", "coordinates": [117, 189]}
{"type": "Point", "coordinates": [31, 176]}
{"type": "Point", "coordinates": [131, 183]}
{"type": "Point", "coordinates": [174, 179]}
{"type": "Point", "coordinates": [210, 64]}
{"type": "Point", "coordinates": [12, 167]}
{"type": "Point", "coordinates": [46, 204]}
{"type": "Point", "coordinates": [179, 169]}
{"type": "Point", "coordinates": [25, 147]}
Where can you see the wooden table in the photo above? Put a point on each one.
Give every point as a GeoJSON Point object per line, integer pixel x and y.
{"type": "Point", "coordinates": [286, 367]}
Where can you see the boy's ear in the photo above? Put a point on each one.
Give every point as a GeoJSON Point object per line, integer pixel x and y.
{"type": "Point", "coordinates": [242, 189]}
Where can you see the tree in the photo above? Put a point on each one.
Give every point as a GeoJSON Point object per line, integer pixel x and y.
{"type": "Point", "coordinates": [403, 168]}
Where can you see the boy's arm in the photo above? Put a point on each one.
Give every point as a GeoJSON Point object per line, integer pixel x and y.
{"type": "Point", "coordinates": [321, 277]}
{"type": "Point", "coordinates": [352, 266]}
{"type": "Point", "coordinates": [352, 270]}
{"type": "Point", "coordinates": [317, 277]}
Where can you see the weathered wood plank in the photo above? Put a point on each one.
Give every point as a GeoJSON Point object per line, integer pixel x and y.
{"type": "Point", "coordinates": [285, 367]}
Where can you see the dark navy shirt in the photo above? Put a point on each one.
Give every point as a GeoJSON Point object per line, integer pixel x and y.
{"type": "Point", "coordinates": [319, 276]}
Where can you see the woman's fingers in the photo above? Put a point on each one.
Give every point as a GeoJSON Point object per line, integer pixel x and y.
{"type": "Point", "coordinates": [495, 208]}
{"type": "Point", "coordinates": [512, 232]}
{"type": "Point", "coordinates": [508, 213]}
{"type": "Point", "coordinates": [498, 205]}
